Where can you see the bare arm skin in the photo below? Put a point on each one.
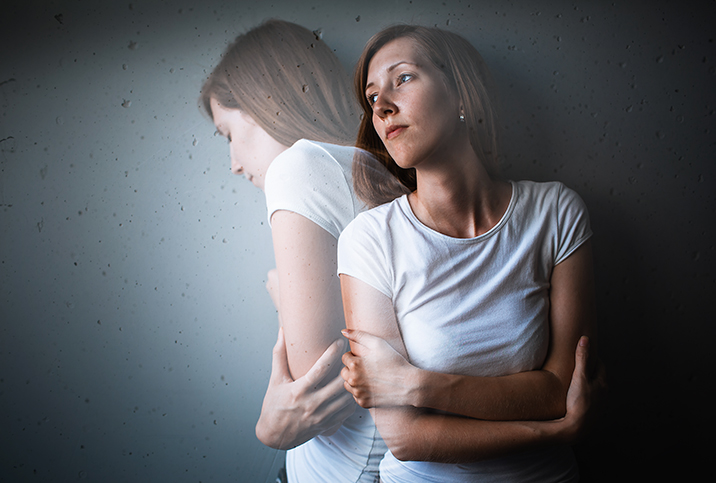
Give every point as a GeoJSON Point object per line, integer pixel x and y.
{"type": "Point", "coordinates": [305, 396]}
{"type": "Point", "coordinates": [272, 288]}
{"type": "Point", "coordinates": [310, 298]}
{"type": "Point", "coordinates": [381, 377]}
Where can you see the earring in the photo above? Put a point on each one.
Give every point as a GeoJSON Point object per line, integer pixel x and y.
{"type": "Point", "coordinates": [462, 117]}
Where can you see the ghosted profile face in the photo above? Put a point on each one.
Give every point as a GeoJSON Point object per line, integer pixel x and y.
{"type": "Point", "coordinates": [415, 113]}
{"type": "Point", "coordinates": [252, 149]}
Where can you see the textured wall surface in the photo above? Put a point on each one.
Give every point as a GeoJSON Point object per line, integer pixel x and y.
{"type": "Point", "coordinates": [135, 331]}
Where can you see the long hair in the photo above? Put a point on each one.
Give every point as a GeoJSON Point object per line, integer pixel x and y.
{"type": "Point", "coordinates": [466, 74]}
{"type": "Point", "coordinates": [288, 81]}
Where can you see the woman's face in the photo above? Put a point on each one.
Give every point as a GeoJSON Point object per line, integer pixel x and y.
{"type": "Point", "coordinates": [415, 114]}
{"type": "Point", "coordinates": [251, 148]}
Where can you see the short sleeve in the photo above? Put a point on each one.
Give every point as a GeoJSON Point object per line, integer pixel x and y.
{"type": "Point", "coordinates": [361, 254]}
{"type": "Point", "coordinates": [306, 179]}
{"type": "Point", "coordinates": [573, 227]}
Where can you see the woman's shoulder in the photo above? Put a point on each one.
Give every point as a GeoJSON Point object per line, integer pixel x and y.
{"type": "Point", "coordinates": [540, 188]}
{"type": "Point", "coordinates": [300, 154]}
{"type": "Point", "coordinates": [553, 204]}
{"type": "Point", "coordinates": [386, 211]}
{"type": "Point", "coordinates": [311, 162]}
{"type": "Point", "coordinates": [308, 179]}
{"type": "Point", "coordinates": [379, 220]}
{"type": "Point", "coordinates": [546, 192]}
{"type": "Point", "coordinates": [307, 161]}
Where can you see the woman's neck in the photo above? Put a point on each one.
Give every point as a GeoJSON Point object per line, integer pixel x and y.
{"type": "Point", "coordinates": [459, 198]}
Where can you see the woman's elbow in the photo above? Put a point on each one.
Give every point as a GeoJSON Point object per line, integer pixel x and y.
{"type": "Point", "coordinates": [404, 433]}
{"type": "Point", "coordinates": [404, 451]}
{"type": "Point", "coordinates": [271, 438]}
{"type": "Point", "coordinates": [265, 436]}
{"type": "Point", "coordinates": [405, 447]}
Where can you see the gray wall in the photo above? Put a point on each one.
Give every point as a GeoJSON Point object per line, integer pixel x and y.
{"type": "Point", "coordinates": [135, 332]}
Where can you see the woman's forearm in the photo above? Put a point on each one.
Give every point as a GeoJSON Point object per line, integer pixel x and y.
{"type": "Point", "coordinates": [415, 435]}
{"type": "Point", "coordinates": [419, 435]}
{"type": "Point", "coordinates": [381, 377]}
{"type": "Point", "coordinates": [534, 395]}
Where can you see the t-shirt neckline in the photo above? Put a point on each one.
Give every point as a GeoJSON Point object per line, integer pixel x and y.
{"type": "Point", "coordinates": [405, 206]}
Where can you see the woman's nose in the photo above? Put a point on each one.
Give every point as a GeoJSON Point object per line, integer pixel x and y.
{"type": "Point", "coordinates": [383, 106]}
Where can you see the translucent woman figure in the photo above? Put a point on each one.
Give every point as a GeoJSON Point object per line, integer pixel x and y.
{"type": "Point", "coordinates": [479, 287]}
{"type": "Point", "coordinates": [283, 101]}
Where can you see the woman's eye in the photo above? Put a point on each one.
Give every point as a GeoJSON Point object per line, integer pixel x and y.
{"type": "Point", "coordinates": [372, 99]}
{"type": "Point", "coordinates": [404, 78]}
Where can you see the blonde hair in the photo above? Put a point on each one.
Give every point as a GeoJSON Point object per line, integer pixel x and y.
{"type": "Point", "coordinates": [466, 74]}
{"type": "Point", "coordinates": [288, 81]}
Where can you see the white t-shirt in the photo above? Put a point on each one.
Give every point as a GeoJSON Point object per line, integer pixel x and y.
{"type": "Point", "coordinates": [474, 306]}
{"type": "Point", "coordinates": [314, 180]}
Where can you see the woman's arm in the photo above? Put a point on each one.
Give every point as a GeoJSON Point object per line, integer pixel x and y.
{"type": "Point", "coordinates": [310, 298]}
{"type": "Point", "coordinates": [415, 434]}
{"type": "Point", "coordinates": [295, 411]}
{"type": "Point", "coordinates": [310, 312]}
{"type": "Point", "coordinates": [536, 395]}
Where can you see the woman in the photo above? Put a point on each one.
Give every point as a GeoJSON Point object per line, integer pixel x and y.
{"type": "Point", "coordinates": [282, 99]}
{"type": "Point", "coordinates": [484, 283]}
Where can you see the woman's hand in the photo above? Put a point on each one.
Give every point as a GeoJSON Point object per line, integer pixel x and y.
{"type": "Point", "coordinates": [295, 411]}
{"type": "Point", "coordinates": [380, 377]}
{"type": "Point", "coordinates": [586, 396]}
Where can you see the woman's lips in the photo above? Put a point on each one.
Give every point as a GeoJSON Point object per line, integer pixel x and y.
{"type": "Point", "coordinates": [393, 131]}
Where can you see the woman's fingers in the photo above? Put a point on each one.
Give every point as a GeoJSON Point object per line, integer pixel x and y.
{"type": "Point", "coordinates": [340, 410]}
{"type": "Point", "coordinates": [581, 359]}
{"type": "Point", "coordinates": [335, 405]}
{"type": "Point", "coordinates": [325, 364]}
{"type": "Point", "coordinates": [363, 340]}
{"type": "Point", "coordinates": [586, 396]}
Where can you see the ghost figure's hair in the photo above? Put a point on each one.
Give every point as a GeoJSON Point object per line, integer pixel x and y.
{"type": "Point", "coordinates": [288, 81]}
